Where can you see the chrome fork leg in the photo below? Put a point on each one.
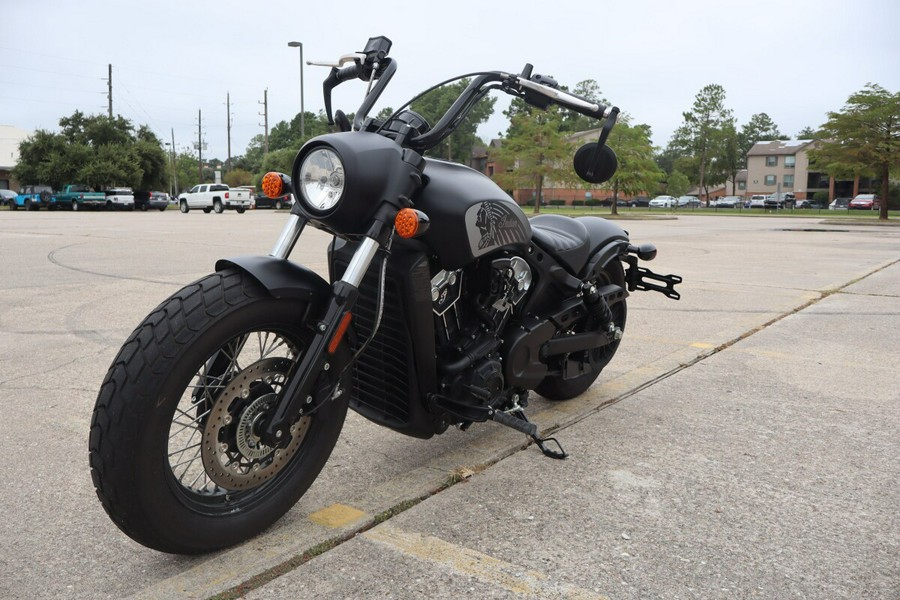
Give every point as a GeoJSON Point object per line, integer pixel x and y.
{"type": "Point", "coordinates": [289, 236]}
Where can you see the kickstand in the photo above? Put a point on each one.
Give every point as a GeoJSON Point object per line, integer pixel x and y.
{"type": "Point", "coordinates": [518, 421]}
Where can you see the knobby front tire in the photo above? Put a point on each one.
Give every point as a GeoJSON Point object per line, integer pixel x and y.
{"type": "Point", "coordinates": [174, 454]}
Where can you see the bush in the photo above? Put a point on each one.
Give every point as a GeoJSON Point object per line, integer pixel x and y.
{"type": "Point", "coordinates": [577, 202]}
{"type": "Point", "coordinates": [820, 197]}
{"type": "Point", "coordinates": [557, 203]}
{"type": "Point", "coordinates": [592, 202]}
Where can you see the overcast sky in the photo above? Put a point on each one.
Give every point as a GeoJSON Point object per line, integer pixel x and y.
{"type": "Point", "coordinates": [792, 59]}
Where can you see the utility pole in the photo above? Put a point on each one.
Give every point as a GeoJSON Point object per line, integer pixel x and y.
{"type": "Point", "coordinates": [109, 93]}
{"type": "Point", "coordinates": [200, 145]}
{"type": "Point", "coordinates": [174, 164]}
{"type": "Point", "coordinates": [265, 115]}
{"type": "Point", "coordinates": [228, 117]}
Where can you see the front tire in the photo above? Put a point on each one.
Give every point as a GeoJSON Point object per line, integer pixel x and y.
{"type": "Point", "coordinates": [174, 456]}
{"type": "Point", "coordinates": [184, 206]}
{"type": "Point", "coordinates": [592, 362]}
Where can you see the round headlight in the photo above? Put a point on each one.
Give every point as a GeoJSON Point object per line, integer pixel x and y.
{"type": "Point", "coordinates": [322, 179]}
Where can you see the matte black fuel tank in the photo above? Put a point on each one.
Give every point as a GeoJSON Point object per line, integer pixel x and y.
{"type": "Point", "coordinates": [470, 215]}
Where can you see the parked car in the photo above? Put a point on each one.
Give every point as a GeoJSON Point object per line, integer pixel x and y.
{"type": "Point", "coordinates": [216, 197]}
{"type": "Point", "coordinates": [757, 201]}
{"type": "Point", "coordinates": [809, 204]}
{"type": "Point", "coordinates": [8, 198]}
{"type": "Point", "coordinates": [263, 201]}
{"type": "Point", "coordinates": [691, 201]}
{"type": "Point", "coordinates": [32, 197]}
{"type": "Point", "coordinates": [662, 202]}
{"type": "Point", "coordinates": [839, 204]}
{"type": "Point", "coordinates": [639, 201]}
{"type": "Point", "coordinates": [727, 202]}
{"type": "Point", "coordinates": [865, 202]}
{"type": "Point", "coordinates": [75, 196]}
{"type": "Point", "coordinates": [119, 199]}
{"type": "Point", "coordinates": [157, 200]}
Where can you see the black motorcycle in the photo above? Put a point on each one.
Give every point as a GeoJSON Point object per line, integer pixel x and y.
{"type": "Point", "coordinates": [446, 307]}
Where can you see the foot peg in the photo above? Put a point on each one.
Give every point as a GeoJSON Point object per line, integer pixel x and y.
{"type": "Point", "coordinates": [518, 421]}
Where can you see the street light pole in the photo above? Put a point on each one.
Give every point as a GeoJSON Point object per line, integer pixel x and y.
{"type": "Point", "coordinates": [302, 109]}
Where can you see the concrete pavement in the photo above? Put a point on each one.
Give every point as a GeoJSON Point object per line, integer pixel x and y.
{"type": "Point", "coordinates": [762, 466]}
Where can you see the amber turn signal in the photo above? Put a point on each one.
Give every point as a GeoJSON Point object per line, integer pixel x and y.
{"type": "Point", "coordinates": [410, 223]}
{"type": "Point", "coordinates": [273, 184]}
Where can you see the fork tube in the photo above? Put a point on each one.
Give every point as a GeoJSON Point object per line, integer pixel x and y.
{"type": "Point", "coordinates": [360, 262]}
{"type": "Point", "coordinates": [289, 236]}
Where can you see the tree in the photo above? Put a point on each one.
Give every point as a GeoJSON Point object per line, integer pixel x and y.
{"type": "Point", "coordinates": [637, 171]}
{"type": "Point", "coordinates": [863, 138]}
{"type": "Point", "coordinates": [729, 159]}
{"type": "Point", "coordinates": [700, 132]}
{"type": "Point", "coordinates": [678, 183]}
{"type": "Point", "coordinates": [573, 122]}
{"type": "Point", "coordinates": [808, 133]}
{"type": "Point", "coordinates": [534, 150]}
{"type": "Point", "coordinates": [95, 150]}
{"type": "Point", "coordinates": [456, 147]}
{"type": "Point", "coordinates": [760, 128]}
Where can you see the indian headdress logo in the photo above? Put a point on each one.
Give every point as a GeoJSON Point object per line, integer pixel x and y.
{"type": "Point", "coordinates": [498, 226]}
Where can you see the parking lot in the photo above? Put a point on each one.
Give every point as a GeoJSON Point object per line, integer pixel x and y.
{"type": "Point", "coordinates": [743, 442]}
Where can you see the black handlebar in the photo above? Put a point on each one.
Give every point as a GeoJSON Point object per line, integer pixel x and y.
{"type": "Point", "coordinates": [536, 90]}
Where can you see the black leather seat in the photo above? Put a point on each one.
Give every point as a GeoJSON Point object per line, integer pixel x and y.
{"type": "Point", "coordinates": [564, 238]}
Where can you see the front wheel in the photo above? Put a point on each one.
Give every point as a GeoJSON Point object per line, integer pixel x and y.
{"type": "Point", "coordinates": [174, 448]}
{"type": "Point", "coordinates": [184, 206]}
{"type": "Point", "coordinates": [580, 370]}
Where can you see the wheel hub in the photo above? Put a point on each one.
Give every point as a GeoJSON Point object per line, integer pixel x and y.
{"type": "Point", "coordinates": [233, 455]}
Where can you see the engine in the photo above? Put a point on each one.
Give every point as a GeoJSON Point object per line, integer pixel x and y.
{"type": "Point", "coordinates": [471, 309]}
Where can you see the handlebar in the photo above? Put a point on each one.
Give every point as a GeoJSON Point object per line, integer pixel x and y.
{"type": "Point", "coordinates": [536, 90]}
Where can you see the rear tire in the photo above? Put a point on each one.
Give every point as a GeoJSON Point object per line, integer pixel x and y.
{"type": "Point", "coordinates": [217, 206]}
{"type": "Point", "coordinates": [173, 452]}
{"type": "Point", "coordinates": [592, 362]}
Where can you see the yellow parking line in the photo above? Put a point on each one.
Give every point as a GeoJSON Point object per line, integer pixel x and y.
{"type": "Point", "coordinates": [336, 515]}
{"type": "Point", "coordinates": [702, 345]}
{"type": "Point", "coordinates": [476, 564]}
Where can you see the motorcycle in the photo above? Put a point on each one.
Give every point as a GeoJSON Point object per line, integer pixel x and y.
{"type": "Point", "coordinates": [446, 306]}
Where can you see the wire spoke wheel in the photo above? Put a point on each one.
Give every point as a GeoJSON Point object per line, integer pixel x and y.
{"type": "Point", "coordinates": [176, 452]}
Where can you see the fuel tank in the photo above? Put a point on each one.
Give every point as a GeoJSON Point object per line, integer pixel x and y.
{"type": "Point", "coordinates": [470, 215]}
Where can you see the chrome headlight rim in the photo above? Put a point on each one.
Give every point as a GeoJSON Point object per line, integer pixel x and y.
{"type": "Point", "coordinates": [321, 186]}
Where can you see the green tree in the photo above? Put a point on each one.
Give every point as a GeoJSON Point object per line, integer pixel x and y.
{"type": "Point", "coordinates": [863, 138]}
{"type": "Point", "coordinates": [808, 133]}
{"type": "Point", "coordinates": [677, 183]}
{"type": "Point", "coordinates": [729, 159]}
{"type": "Point", "coordinates": [238, 177]}
{"type": "Point", "coordinates": [94, 150]}
{"type": "Point", "coordinates": [573, 122]}
{"type": "Point", "coordinates": [637, 171]}
{"type": "Point", "coordinates": [760, 128]}
{"type": "Point", "coordinates": [699, 134]}
{"type": "Point", "coordinates": [534, 151]}
{"type": "Point", "coordinates": [456, 147]}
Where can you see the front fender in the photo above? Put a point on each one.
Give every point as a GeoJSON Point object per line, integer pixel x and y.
{"type": "Point", "coordinates": [282, 278]}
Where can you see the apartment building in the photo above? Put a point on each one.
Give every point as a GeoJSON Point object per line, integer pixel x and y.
{"type": "Point", "coordinates": [783, 165]}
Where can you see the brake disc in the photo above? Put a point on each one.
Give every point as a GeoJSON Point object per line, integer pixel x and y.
{"type": "Point", "coordinates": [233, 455]}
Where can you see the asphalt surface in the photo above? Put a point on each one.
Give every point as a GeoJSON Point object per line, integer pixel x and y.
{"type": "Point", "coordinates": [743, 442]}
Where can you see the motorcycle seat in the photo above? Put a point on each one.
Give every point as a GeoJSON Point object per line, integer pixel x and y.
{"type": "Point", "coordinates": [564, 238]}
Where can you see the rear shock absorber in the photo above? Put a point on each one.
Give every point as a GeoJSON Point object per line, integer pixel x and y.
{"type": "Point", "coordinates": [599, 310]}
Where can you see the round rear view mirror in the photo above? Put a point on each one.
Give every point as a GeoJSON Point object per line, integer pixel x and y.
{"type": "Point", "coordinates": [595, 163]}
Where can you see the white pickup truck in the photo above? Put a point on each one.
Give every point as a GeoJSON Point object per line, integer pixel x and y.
{"type": "Point", "coordinates": [214, 197]}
